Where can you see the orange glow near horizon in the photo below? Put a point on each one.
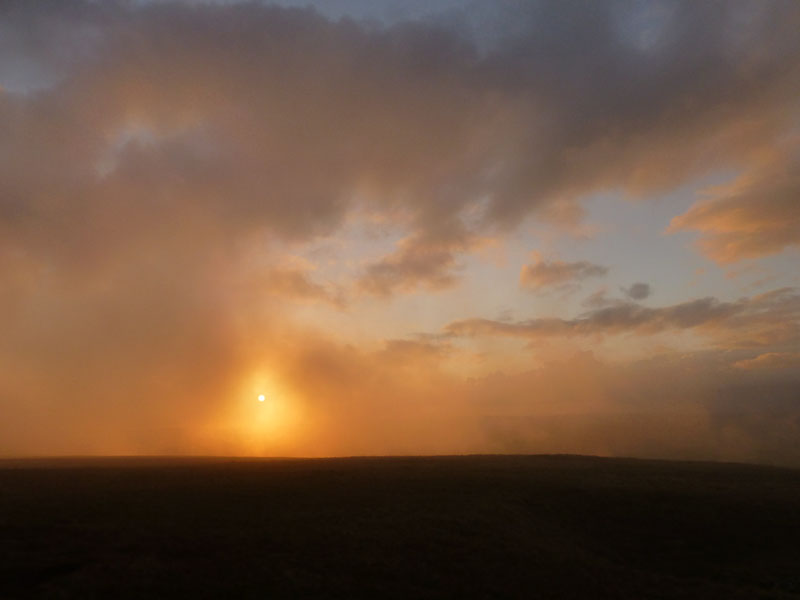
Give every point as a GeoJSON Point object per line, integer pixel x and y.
{"type": "Point", "coordinates": [263, 416]}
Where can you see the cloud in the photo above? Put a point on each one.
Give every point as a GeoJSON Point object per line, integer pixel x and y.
{"type": "Point", "coordinates": [418, 262]}
{"type": "Point", "coordinates": [756, 215]}
{"type": "Point", "coordinates": [770, 360]}
{"type": "Point", "coordinates": [618, 119]}
{"type": "Point", "coordinates": [765, 319]}
{"type": "Point", "coordinates": [599, 299]}
{"type": "Point", "coordinates": [296, 284]}
{"type": "Point", "coordinates": [405, 351]}
{"type": "Point", "coordinates": [148, 148]}
{"type": "Point", "coordinates": [262, 119]}
{"type": "Point", "coordinates": [542, 273]}
{"type": "Point", "coordinates": [638, 291]}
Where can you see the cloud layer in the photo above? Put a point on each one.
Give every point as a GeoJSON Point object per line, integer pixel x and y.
{"type": "Point", "coordinates": [259, 117]}
{"type": "Point", "coordinates": [772, 318]}
{"type": "Point", "coordinates": [159, 160]}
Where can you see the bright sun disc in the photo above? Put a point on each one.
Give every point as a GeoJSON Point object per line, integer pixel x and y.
{"type": "Point", "coordinates": [261, 397]}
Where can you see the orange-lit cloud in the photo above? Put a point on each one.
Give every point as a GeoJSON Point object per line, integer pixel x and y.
{"type": "Point", "coordinates": [264, 117]}
{"type": "Point", "coordinates": [757, 214]}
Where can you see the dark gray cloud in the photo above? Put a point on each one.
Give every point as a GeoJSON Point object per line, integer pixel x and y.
{"type": "Point", "coordinates": [638, 291]}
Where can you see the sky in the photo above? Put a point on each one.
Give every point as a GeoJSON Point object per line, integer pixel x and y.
{"type": "Point", "coordinates": [436, 227]}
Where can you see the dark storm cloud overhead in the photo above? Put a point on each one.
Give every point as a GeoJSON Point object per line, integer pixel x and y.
{"type": "Point", "coordinates": [772, 318]}
{"type": "Point", "coordinates": [263, 118]}
{"type": "Point", "coordinates": [542, 273]}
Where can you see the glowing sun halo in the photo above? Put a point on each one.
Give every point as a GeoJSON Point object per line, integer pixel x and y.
{"type": "Point", "coordinates": [261, 397]}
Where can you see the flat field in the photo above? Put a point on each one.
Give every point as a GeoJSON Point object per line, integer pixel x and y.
{"type": "Point", "coordinates": [416, 527]}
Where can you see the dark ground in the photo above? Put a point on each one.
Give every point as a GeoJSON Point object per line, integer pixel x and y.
{"type": "Point", "coordinates": [450, 527]}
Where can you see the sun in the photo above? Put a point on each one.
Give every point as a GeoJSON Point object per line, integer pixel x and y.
{"type": "Point", "coordinates": [264, 416]}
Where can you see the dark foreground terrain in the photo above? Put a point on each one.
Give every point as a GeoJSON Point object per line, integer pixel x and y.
{"type": "Point", "coordinates": [480, 526]}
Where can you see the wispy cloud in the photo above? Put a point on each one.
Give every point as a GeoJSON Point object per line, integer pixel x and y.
{"type": "Point", "coordinates": [768, 318]}
{"type": "Point", "coordinates": [756, 215]}
{"type": "Point", "coordinates": [542, 273]}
